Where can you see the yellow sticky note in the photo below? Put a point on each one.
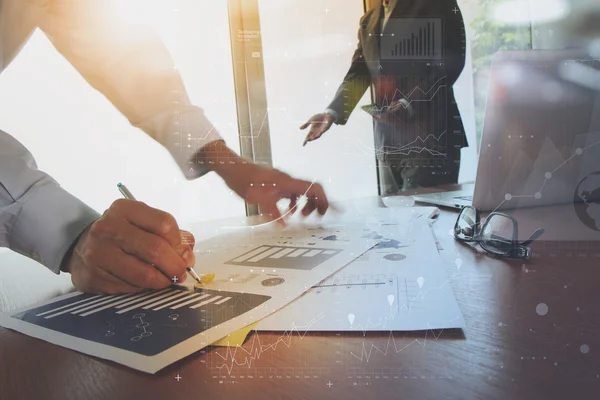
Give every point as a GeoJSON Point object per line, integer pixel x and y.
{"type": "Point", "coordinates": [204, 280]}
{"type": "Point", "coordinates": [236, 338]}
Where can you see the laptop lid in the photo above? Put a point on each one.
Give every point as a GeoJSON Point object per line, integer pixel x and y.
{"type": "Point", "coordinates": [541, 133]}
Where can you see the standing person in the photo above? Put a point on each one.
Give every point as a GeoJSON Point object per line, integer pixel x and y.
{"type": "Point", "coordinates": [410, 52]}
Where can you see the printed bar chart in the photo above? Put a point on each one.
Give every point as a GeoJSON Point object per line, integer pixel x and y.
{"type": "Point", "coordinates": [146, 323]}
{"type": "Point", "coordinates": [412, 39]}
{"type": "Point", "coordinates": [286, 257]}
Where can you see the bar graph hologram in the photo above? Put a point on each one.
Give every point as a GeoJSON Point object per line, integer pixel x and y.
{"type": "Point", "coordinates": [412, 39]}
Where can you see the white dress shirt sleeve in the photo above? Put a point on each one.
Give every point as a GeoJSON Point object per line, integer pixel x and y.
{"type": "Point", "coordinates": [38, 218]}
{"type": "Point", "coordinates": [130, 65]}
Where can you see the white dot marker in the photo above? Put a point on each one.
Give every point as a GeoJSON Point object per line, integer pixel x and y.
{"type": "Point", "coordinates": [548, 175]}
{"type": "Point", "coordinates": [541, 309]}
{"type": "Point", "coordinates": [508, 197]}
{"type": "Point", "coordinates": [351, 318]}
{"type": "Point", "coordinates": [538, 195]}
{"type": "Point", "coordinates": [579, 151]}
{"type": "Point", "coordinates": [420, 281]}
{"type": "Point", "coordinates": [391, 299]}
{"type": "Point", "coordinates": [584, 348]}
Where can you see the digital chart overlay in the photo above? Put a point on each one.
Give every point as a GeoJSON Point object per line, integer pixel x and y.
{"type": "Point", "coordinates": [423, 40]}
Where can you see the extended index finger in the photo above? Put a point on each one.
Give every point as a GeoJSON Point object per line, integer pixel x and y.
{"type": "Point", "coordinates": [149, 219]}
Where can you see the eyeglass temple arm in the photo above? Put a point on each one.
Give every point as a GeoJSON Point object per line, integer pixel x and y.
{"type": "Point", "coordinates": [533, 237]}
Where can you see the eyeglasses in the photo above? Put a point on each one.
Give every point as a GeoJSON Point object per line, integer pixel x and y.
{"type": "Point", "coordinates": [499, 234]}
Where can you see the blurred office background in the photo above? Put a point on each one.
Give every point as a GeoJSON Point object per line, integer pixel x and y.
{"type": "Point", "coordinates": [305, 49]}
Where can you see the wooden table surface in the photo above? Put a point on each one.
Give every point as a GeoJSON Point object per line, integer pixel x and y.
{"type": "Point", "coordinates": [532, 331]}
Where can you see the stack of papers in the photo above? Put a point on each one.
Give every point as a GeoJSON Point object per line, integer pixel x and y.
{"type": "Point", "coordinates": [259, 270]}
{"type": "Point", "coordinates": [379, 271]}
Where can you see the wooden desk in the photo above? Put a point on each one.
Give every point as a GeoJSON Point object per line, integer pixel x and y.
{"type": "Point", "coordinates": [507, 351]}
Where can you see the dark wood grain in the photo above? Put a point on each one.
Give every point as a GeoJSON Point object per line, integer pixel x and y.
{"type": "Point", "coordinates": [507, 350]}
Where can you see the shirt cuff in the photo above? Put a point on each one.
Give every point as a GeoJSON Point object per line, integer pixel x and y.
{"type": "Point", "coordinates": [48, 223]}
{"type": "Point", "coordinates": [183, 133]}
{"type": "Point", "coordinates": [334, 113]}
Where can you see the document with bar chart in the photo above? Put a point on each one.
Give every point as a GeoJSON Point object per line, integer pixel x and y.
{"type": "Point", "coordinates": [257, 273]}
{"type": "Point", "coordinates": [399, 285]}
{"type": "Point", "coordinates": [147, 323]}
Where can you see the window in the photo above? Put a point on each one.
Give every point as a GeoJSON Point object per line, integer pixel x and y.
{"type": "Point", "coordinates": [307, 48]}
{"type": "Point", "coordinates": [487, 33]}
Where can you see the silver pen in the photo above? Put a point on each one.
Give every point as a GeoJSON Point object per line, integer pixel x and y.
{"type": "Point", "coordinates": [125, 192]}
{"type": "Point", "coordinates": [129, 196]}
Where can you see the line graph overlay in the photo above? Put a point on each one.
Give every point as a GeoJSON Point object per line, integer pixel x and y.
{"type": "Point", "coordinates": [547, 177]}
{"type": "Point", "coordinates": [253, 350]}
{"type": "Point", "coordinates": [416, 124]}
{"type": "Point", "coordinates": [429, 144]}
{"type": "Point", "coordinates": [394, 347]}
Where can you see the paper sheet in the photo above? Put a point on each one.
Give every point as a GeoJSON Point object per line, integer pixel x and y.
{"type": "Point", "coordinates": [398, 285]}
{"type": "Point", "coordinates": [376, 217]}
{"type": "Point", "coordinates": [258, 271]}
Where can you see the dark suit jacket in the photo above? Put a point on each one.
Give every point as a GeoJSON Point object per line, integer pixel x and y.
{"type": "Point", "coordinates": [435, 123]}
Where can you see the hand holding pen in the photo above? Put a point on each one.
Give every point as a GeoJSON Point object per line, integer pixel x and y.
{"type": "Point", "coordinates": [187, 239]}
{"type": "Point", "coordinates": [131, 247]}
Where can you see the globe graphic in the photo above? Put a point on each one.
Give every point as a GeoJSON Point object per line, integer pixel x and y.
{"type": "Point", "coordinates": [588, 193]}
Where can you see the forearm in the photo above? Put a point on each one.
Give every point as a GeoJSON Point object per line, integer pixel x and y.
{"type": "Point", "coordinates": [347, 97]}
{"type": "Point", "coordinates": [131, 66]}
{"type": "Point", "coordinates": [231, 167]}
{"type": "Point", "coordinates": [355, 84]}
{"type": "Point", "coordinates": [217, 157]}
{"type": "Point", "coordinates": [42, 220]}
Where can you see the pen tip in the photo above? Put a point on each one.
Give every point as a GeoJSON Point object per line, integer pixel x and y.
{"type": "Point", "coordinates": [119, 184]}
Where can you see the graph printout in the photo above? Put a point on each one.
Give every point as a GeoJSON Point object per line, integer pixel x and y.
{"type": "Point", "coordinates": [258, 271]}
{"type": "Point", "coordinates": [400, 284]}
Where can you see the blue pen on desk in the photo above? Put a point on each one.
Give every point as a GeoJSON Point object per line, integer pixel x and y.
{"type": "Point", "coordinates": [129, 196]}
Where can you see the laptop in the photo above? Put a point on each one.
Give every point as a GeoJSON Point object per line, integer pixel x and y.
{"type": "Point", "coordinates": [541, 132]}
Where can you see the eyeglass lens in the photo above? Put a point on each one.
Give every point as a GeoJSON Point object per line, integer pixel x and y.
{"type": "Point", "coordinates": [497, 234]}
{"type": "Point", "coordinates": [465, 225]}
